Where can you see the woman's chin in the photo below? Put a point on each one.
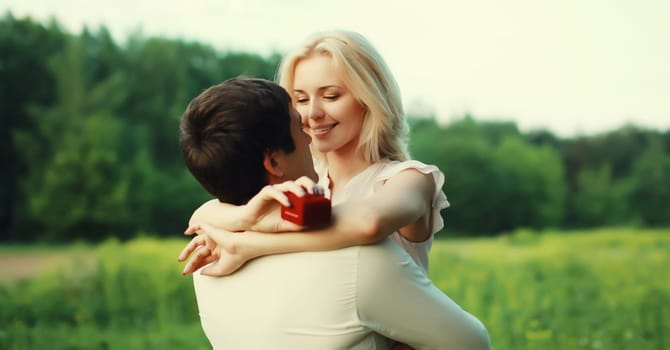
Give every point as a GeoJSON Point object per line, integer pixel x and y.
{"type": "Point", "coordinates": [323, 148]}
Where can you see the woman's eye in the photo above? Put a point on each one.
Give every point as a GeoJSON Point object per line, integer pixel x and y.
{"type": "Point", "coordinates": [301, 100]}
{"type": "Point", "coordinates": [330, 97]}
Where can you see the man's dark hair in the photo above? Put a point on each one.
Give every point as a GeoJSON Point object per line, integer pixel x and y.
{"type": "Point", "coordinates": [226, 131]}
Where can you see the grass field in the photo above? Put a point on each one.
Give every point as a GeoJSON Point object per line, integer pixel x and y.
{"type": "Point", "coordinates": [604, 289]}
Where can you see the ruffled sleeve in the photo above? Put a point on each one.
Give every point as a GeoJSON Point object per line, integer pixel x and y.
{"type": "Point", "coordinates": [439, 198]}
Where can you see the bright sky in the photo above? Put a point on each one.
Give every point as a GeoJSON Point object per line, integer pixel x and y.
{"type": "Point", "coordinates": [571, 66]}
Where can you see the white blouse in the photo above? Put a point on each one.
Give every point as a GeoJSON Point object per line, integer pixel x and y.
{"type": "Point", "coordinates": [365, 183]}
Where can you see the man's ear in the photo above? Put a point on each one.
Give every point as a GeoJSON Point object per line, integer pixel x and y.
{"type": "Point", "coordinates": [272, 164]}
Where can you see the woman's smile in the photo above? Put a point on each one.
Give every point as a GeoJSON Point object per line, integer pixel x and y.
{"type": "Point", "coordinates": [322, 130]}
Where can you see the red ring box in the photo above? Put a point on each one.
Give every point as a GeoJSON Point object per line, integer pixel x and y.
{"type": "Point", "coordinates": [308, 210]}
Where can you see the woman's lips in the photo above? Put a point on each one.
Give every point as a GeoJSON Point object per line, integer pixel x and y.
{"type": "Point", "coordinates": [322, 129]}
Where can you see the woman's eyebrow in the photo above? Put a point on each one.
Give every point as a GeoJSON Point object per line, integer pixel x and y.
{"type": "Point", "coordinates": [318, 89]}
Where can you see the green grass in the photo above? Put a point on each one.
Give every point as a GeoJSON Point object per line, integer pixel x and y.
{"type": "Point", "coordinates": [132, 297]}
{"type": "Point", "coordinates": [605, 289]}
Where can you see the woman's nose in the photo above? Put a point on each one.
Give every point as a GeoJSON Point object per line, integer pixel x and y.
{"type": "Point", "coordinates": [315, 110]}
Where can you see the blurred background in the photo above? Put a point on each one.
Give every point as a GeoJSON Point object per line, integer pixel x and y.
{"type": "Point", "coordinates": [550, 121]}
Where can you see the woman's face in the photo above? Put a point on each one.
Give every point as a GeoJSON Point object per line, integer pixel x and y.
{"type": "Point", "coordinates": [331, 115]}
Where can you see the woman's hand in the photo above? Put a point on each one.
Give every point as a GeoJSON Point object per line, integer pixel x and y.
{"type": "Point", "coordinates": [262, 212]}
{"type": "Point", "coordinates": [203, 254]}
{"type": "Point", "coordinates": [212, 245]}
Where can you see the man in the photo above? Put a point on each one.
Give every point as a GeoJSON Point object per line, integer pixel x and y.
{"type": "Point", "coordinates": [241, 135]}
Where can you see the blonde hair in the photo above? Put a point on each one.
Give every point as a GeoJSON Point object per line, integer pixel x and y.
{"type": "Point", "coordinates": [366, 75]}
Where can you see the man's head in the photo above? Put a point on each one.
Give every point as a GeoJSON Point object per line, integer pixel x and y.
{"type": "Point", "coordinates": [241, 135]}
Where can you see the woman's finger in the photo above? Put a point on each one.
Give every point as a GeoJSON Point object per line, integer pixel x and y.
{"type": "Point", "coordinates": [196, 242]}
{"type": "Point", "coordinates": [291, 186]}
{"type": "Point", "coordinates": [192, 229]}
{"type": "Point", "coordinates": [309, 185]}
{"type": "Point", "coordinates": [197, 260]}
{"type": "Point", "coordinates": [272, 193]}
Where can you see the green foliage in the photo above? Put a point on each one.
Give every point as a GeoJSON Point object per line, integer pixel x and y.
{"type": "Point", "coordinates": [599, 199]}
{"type": "Point", "coordinates": [498, 179]}
{"type": "Point", "coordinates": [602, 289]}
{"type": "Point", "coordinates": [96, 126]}
{"type": "Point", "coordinates": [651, 189]}
{"type": "Point", "coordinates": [532, 184]}
{"type": "Point", "coordinates": [554, 290]}
{"type": "Point", "coordinates": [128, 296]}
{"type": "Point", "coordinates": [599, 172]}
{"type": "Point", "coordinates": [495, 180]}
{"type": "Point", "coordinates": [79, 181]}
{"type": "Point", "coordinates": [24, 47]}
{"type": "Point", "coordinates": [472, 181]}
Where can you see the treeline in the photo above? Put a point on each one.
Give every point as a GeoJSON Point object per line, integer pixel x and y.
{"type": "Point", "coordinates": [499, 179]}
{"type": "Point", "coordinates": [89, 132]}
{"type": "Point", "coordinates": [88, 146]}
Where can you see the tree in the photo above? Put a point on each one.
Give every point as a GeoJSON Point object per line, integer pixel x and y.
{"type": "Point", "coordinates": [495, 180]}
{"type": "Point", "coordinates": [599, 200]}
{"type": "Point", "coordinates": [532, 187]}
{"type": "Point", "coordinates": [472, 186]}
{"type": "Point", "coordinates": [25, 47]}
{"type": "Point", "coordinates": [650, 192]}
{"type": "Point", "coordinates": [75, 186]}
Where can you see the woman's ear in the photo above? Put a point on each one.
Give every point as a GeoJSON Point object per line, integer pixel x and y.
{"type": "Point", "coordinates": [272, 164]}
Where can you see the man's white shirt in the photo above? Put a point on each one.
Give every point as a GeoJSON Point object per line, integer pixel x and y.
{"type": "Point", "coordinates": [351, 298]}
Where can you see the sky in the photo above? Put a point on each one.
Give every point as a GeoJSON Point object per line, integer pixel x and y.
{"type": "Point", "coordinates": [574, 67]}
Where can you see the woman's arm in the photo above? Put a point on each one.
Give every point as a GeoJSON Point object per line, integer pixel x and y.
{"type": "Point", "coordinates": [261, 213]}
{"type": "Point", "coordinates": [224, 215]}
{"type": "Point", "coordinates": [351, 226]}
{"type": "Point", "coordinates": [402, 204]}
